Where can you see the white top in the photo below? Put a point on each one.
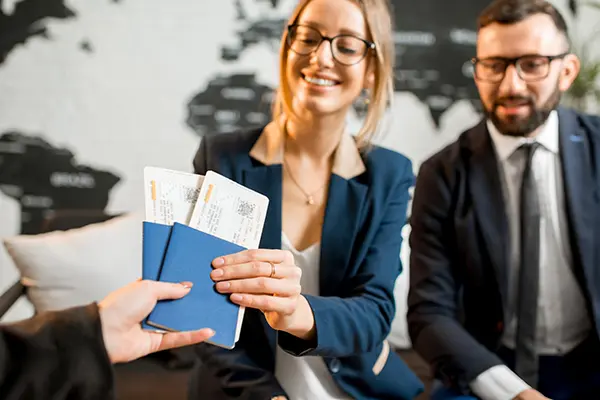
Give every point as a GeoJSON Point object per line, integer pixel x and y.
{"type": "Point", "coordinates": [562, 320]}
{"type": "Point", "coordinates": [307, 377]}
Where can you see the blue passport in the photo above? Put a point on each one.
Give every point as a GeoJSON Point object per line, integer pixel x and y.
{"type": "Point", "coordinates": [155, 242]}
{"type": "Point", "coordinates": [188, 257]}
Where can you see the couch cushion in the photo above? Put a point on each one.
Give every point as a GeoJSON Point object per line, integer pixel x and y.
{"type": "Point", "coordinates": [75, 267]}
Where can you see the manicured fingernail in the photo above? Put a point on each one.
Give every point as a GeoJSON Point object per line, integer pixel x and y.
{"type": "Point", "coordinates": [187, 285]}
{"type": "Point", "coordinates": [218, 261]}
{"type": "Point", "coordinates": [217, 273]}
{"type": "Point", "coordinates": [237, 297]}
{"type": "Point", "coordinates": [223, 285]}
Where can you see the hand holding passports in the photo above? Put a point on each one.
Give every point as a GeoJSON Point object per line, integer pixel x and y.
{"type": "Point", "coordinates": [190, 221]}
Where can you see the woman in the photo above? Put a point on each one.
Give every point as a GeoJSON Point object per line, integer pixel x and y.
{"type": "Point", "coordinates": [319, 292]}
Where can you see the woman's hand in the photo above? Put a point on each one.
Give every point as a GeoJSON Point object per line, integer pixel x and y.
{"type": "Point", "coordinates": [267, 280]}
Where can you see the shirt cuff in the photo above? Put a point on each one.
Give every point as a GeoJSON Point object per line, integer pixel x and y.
{"type": "Point", "coordinates": [498, 383]}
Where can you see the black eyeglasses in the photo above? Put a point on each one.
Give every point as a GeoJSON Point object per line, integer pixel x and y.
{"type": "Point", "coordinates": [346, 49]}
{"type": "Point", "coordinates": [531, 68]}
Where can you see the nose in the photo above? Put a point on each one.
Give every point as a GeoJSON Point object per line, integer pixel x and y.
{"type": "Point", "coordinates": [512, 82]}
{"type": "Point", "coordinates": [323, 55]}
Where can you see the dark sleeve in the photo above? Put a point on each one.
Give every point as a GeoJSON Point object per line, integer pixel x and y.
{"type": "Point", "coordinates": [434, 328]}
{"type": "Point", "coordinates": [359, 323]}
{"type": "Point", "coordinates": [55, 355]}
{"type": "Point", "coordinates": [237, 371]}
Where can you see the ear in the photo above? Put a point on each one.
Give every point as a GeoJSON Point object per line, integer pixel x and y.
{"type": "Point", "coordinates": [570, 70]}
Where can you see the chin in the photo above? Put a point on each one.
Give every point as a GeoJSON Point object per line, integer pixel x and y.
{"type": "Point", "coordinates": [320, 106]}
{"type": "Point", "coordinates": [516, 126]}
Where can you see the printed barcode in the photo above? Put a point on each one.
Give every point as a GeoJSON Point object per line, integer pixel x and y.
{"type": "Point", "coordinates": [190, 194]}
{"type": "Point", "coordinates": [245, 208]}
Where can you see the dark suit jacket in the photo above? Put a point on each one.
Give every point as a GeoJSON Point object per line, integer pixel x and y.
{"type": "Point", "coordinates": [55, 355]}
{"type": "Point", "coordinates": [459, 245]}
{"type": "Point", "coordinates": [359, 261]}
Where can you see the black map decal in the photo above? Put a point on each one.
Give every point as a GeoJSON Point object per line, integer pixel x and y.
{"type": "Point", "coordinates": [435, 41]}
{"type": "Point", "coordinates": [42, 178]}
{"type": "Point", "coordinates": [28, 20]}
{"type": "Point", "coordinates": [434, 44]}
{"type": "Point", "coordinates": [229, 103]}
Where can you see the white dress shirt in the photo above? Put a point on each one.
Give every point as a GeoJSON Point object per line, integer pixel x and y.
{"type": "Point", "coordinates": [562, 321]}
{"type": "Point", "coordinates": [306, 377]}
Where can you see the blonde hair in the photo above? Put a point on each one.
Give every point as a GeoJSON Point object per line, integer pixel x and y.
{"type": "Point", "coordinates": [378, 16]}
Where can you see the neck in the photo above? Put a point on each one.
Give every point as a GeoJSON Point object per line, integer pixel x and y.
{"type": "Point", "coordinates": [315, 138]}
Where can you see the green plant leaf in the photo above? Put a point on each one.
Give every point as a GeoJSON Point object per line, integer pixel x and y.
{"type": "Point", "coordinates": [586, 85]}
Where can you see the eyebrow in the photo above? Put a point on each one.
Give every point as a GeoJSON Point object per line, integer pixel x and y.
{"type": "Point", "coordinates": [343, 31]}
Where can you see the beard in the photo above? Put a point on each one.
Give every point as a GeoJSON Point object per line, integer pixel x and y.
{"type": "Point", "coordinates": [523, 125]}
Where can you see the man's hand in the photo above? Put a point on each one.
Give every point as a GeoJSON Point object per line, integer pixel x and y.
{"type": "Point", "coordinates": [530, 394]}
{"type": "Point", "coordinates": [122, 312]}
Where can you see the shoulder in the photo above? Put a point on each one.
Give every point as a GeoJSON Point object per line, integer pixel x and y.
{"type": "Point", "coordinates": [387, 165]}
{"type": "Point", "coordinates": [231, 142]}
{"type": "Point", "coordinates": [572, 119]}
{"type": "Point", "coordinates": [223, 152]}
{"type": "Point", "coordinates": [592, 123]}
{"type": "Point", "coordinates": [454, 157]}
{"type": "Point", "coordinates": [594, 120]}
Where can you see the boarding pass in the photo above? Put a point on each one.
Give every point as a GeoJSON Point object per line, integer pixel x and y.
{"type": "Point", "coordinates": [212, 204]}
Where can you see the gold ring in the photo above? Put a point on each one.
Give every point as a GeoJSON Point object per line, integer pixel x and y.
{"type": "Point", "coordinates": [272, 270]}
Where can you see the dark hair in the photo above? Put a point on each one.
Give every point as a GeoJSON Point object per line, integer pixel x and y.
{"type": "Point", "coordinates": [513, 11]}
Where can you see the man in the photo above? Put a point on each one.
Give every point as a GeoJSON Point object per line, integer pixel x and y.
{"type": "Point", "coordinates": [505, 244]}
{"type": "Point", "coordinates": [68, 354]}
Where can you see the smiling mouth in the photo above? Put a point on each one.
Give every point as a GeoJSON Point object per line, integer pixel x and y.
{"type": "Point", "coordinates": [319, 81]}
{"type": "Point", "coordinates": [514, 105]}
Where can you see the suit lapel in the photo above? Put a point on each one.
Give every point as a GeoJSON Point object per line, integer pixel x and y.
{"type": "Point", "coordinates": [580, 189]}
{"type": "Point", "coordinates": [488, 202]}
{"type": "Point", "coordinates": [342, 213]}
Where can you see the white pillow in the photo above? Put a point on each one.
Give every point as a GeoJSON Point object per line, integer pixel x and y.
{"type": "Point", "coordinates": [76, 267]}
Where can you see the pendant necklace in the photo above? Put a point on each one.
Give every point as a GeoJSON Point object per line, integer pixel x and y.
{"type": "Point", "coordinates": [310, 200]}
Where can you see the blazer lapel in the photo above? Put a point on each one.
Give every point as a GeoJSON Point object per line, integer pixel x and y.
{"type": "Point", "coordinates": [344, 205]}
{"type": "Point", "coordinates": [580, 188]}
{"type": "Point", "coordinates": [267, 180]}
{"type": "Point", "coordinates": [488, 203]}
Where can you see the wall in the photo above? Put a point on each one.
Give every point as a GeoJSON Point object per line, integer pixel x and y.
{"type": "Point", "coordinates": [110, 86]}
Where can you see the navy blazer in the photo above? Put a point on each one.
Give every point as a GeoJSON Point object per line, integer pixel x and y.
{"type": "Point", "coordinates": [460, 242]}
{"type": "Point", "coordinates": [360, 247]}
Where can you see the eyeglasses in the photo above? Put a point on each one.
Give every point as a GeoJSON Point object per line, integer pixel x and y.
{"type": "Point", "coordinates": [530, 68]}
{"type": "Point", "coordinates": [346, 49]}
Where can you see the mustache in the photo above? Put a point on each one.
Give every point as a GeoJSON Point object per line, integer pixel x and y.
{"type": "Point", "coordinates": [512, 100]}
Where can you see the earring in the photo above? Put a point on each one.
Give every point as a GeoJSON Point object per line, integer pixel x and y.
{"type": "Point", "coordinates": [366, 97]}
{"type": "Point", "coordinates": [361, 104]}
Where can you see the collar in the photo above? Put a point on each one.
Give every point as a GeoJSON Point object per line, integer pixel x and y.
{"type": "Point", "coordinates": [506, 145]}
{"type": "Point", "coordinates": [347, 161]}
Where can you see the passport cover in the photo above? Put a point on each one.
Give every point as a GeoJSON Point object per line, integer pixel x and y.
{"type": "Point", "coordinates": [156, 239]}
{"type": "Point", "coordinates": [188, 257]}
{"type": "Point", "coordinates": [154, 246]}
